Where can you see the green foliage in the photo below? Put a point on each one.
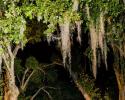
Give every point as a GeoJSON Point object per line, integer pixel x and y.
{"type": "Point", "coordinates": [51, 76]}
{"type": "Point", "coordinates": [89, 84]}
{"type": "Point", "coordinates": [31, 63]}
{"type": "Point", "coordinates": [19, 69]}
{"type": "Point", "coordinates": [50, 12]}
{"type": "Point", "coordinates": [1, 88]}
{"type": "Point", "coordinates": [12, 26]}
{"type": "Point", "coordinates": [37, 78]}
{"type": "Point", "coordinates": [88, 53]}
{"type": "Point", "coordinates": [111, 8]}
{"type": "Point", "coordinates": [1, 51]}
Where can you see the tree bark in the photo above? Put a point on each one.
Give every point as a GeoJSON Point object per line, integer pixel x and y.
{"type": "Point", "coordinates": [121, 84]}
{"type": "Point", "coordinates": [80, 88]}
{"type": "Point", "coordinates": [11, 91]}
{"type": "Point", "coordinates": [122, 94]}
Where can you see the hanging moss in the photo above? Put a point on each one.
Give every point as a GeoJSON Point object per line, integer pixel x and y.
{"type": "Point", "coordinates": [101, 38]}
{"type": "Point", "coordinates": [93, 37]}
{"type": "Point", "coordinates": [66, 44]}
{"type": "Point", "coordinates": [98, 40]}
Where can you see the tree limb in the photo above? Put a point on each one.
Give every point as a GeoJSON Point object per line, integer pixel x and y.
{"type": "Point", "coordinates": [24, 76]}
{"type": "Point", "coordinates": [42, 88]}
{"type": "Point", "coordinates": [124, 1]}
{"type": "Point", "coordinates": [120, 50]}
{"type": "Point", "coordinates": [80, 88]}
{"type": "Point", "coordinates": [16, 50]}
{"type": "Point", "coordinates": [5, 61]}
{"type": "Point", "coordinates": [75, 5]}
{"type": "Point", "coordinates": [27, 80]}
{"type": "Point", "coordinates": [54, 63]}
{"type": "Point", "coordinates": [18, 79]}
{"type": "Point", "coordinates": [10, 51]}
{"type": "Point", "coordinates": [0, 65]}
{"type": "Point", "coordinates": [41, 70]}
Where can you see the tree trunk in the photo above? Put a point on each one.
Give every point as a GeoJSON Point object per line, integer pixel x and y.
{"type": "Point", "coordinates": [122, 94]}
{"type": "Point", "coordinates": [80, 87]}
{"type": "Point", "coordinates": [11, 91]}
{"type": "Point", "coordinates": [121, 84]}
{"type": "Point", "coordinates": [85, 94]}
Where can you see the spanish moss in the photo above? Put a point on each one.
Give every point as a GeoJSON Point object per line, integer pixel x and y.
{"type": "Point", "coordinates": [66, 44]}
{"type": "Point", "coordinates": [78, 25]}
{"type": "Point", "coordinates": [94, 41]}
{"type": "Point", "coordinates": [101, 38]}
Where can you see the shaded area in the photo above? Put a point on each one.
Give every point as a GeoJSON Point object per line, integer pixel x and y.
{"type": "Point", "coordinates": [56, 76]}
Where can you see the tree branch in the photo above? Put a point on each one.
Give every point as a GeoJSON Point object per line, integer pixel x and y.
{"type": "Point", "coordinates": [27, 80]}
{"type": "Point", "coordinates": [120, 50]}
{"type": "Point", "coordinates": [80, 88]}
{"type": "Point", "coordinates": [18, 79]}
{"type": "Point", "coordinates": [10, 51]}
{"type": "Point", "coordinates": [41, 70]}
{"type": "Point", "coordinates": [5, 61]}
{"type": "Point", "coordinates": [24, 75]}
{"type": "Point", "coordinates": [75, 5]}
{"type": "Point", "coordinates": [42, 88]}
{"type": "Point", "coordinates": [54, 63]}
{"type": "Point", "coordinates": [47, 93]}
{"type": "Point", "coordinates": [124, 1]}
{"type": "Point", "coordinates": [0, 65]}
{"type": "Point", "coordinates": [16, 50]}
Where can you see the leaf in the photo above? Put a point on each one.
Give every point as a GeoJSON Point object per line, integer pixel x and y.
{"type": "Point", "coordinates": [32, 62]}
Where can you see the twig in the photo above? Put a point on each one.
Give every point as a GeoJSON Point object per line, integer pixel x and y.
{"type": "Point", "coordinates": [54, 63]}
{"type": "Point", "coordinates": [47, 93]}
{"type": "Point", "coordinates": [41, 70]}
{"type": "Point", "coordinates": [27, 80]}
{"type": "Point", "coordinates": [42, 88]}
{"type": "Point", "coordinates": [18, 79]}
{"type": "Point", "coordinates": [24, 76]}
